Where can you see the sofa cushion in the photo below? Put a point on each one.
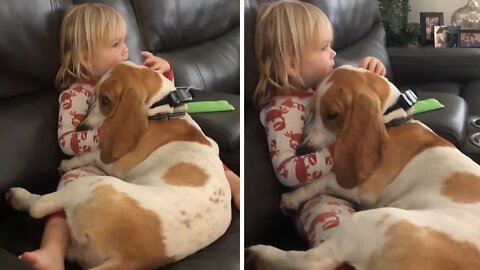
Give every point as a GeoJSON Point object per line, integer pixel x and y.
{"type": "Point", "coordinates": [212, 65]}
{"type": "Point", "coordinates": [263, 219]}
{"type": "Point", "coordinates": [172, 24]}
{"type": "Point", "coordinates": [440, 87]}
{"type": "Point", "coordinates": [30, 153]}
{"type": "Point", "coordinates": [28, 46]}
{"type": "Point", "coordinates": [351, 20]}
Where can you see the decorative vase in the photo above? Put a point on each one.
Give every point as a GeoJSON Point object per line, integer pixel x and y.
{"type": "Point", "coordinates": [467, 17]}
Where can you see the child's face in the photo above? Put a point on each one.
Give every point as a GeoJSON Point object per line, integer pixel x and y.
{"type": "Point", "coordinates": [111, 54]}
{"type": "Point", "coordinates": [317, 65]}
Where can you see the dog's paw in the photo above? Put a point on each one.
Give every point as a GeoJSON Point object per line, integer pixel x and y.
{"type": "Point", "coordinates": [18, 199]}
{"type": "Point", "coordinates": [253, 259]}
{"type": "Point", "coordinates": [288, 204]}
{"type": "Point", "coordinates": [65, 166]}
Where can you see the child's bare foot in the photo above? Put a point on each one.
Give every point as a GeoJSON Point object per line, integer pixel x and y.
{"type": "Point", "coordinates": [42, 259]}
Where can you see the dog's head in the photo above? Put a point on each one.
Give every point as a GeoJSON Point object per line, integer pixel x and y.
{"type": "Point", "coordinates": [123, 96]}
{"type": "Point", "coordinates": [349, 106]}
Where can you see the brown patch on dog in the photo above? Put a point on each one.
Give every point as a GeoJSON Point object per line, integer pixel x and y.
{"type": "Point", "coordinates": [185, 174]}
{"type": "Point", "coordinates": [158, 134]}
{"type": "Point", "coordinates": [409, 246]}
{"type": "Point", "coordinates": [462, 187]}
{"type": "Point", "coordinates": [120, 229]}
{"type": "Point", "coordinates": [399, 150]}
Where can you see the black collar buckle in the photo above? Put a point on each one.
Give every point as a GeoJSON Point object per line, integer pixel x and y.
{"type": "Point", "coordinates": [405, 101]}
{"type": "Point", "coordinates": [177, 97]}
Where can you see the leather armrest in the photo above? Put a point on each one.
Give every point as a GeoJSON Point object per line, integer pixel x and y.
{"type": "Point", "coordinates": [222, 127]}
{"type": "Point", "coordinates": [448, 122]}
{"type": "Point", "coordinates": [426, 65]}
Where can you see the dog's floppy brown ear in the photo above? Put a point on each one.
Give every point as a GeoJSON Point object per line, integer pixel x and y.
{"type": "Point", "coordinates": [358, 149]}
{"type": "Point", "coordinates": [121, 132]}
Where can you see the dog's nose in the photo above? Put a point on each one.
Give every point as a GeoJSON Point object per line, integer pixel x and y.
{"type": "Point", "coordinates": [303, 149]}
{"type": "Point", "coordinates": [83, 127]}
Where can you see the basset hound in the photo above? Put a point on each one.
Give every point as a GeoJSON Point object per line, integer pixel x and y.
{"type": "Point", "coordinates": [167, 195]}
{"type": "Point", "coordinates": [419, 195]}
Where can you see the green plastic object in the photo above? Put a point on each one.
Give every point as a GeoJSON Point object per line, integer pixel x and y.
{"type": "Point", "coordinates": [209, 106]}
{"type": "Point", "coordinates": [427, 105]}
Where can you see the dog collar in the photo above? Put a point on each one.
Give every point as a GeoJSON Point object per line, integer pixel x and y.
{"type": "Point", "coordinates": [167, 116]}
{"type": "Point", "coordinates": [175, 99]}
{"type": "Point", "coordinates": [405, 101]}
{"type": "Point", "coordinates": [399, 121]}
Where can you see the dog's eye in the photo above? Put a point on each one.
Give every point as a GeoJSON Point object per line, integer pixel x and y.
{"type": "Point", "coordinates": [104, 101]}
{"type": "Point", "coordinates": [332, 115]}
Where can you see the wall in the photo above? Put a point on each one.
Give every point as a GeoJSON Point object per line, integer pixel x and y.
{"type": "Point", "coordinates": [445, 6]}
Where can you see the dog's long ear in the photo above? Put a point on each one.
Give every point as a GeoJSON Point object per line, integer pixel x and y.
{"type": "Point", "coordinates": [121, 132]}
{"type": "Point", "coordinates": [358, 149]}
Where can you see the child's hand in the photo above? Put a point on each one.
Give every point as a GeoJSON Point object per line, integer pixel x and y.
{"type": "Point", "coordinates": [374, 65]}
{"type": "Point", "coordinates": [155, 63]}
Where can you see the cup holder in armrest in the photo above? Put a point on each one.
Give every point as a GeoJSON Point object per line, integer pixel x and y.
{"type": "Point", "coordinates": [475, 122]}
{"type": "Point", "coordinates": [475, 139]}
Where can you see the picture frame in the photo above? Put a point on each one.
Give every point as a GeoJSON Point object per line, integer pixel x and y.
{"type": "Point", "coordinates": [427, 22]}
{"type": "Point", "coordinates": [469, 38]}
{"type": "Point", "coordinates": [446, 36]}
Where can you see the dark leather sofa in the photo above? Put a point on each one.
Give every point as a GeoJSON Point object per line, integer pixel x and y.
{"type": "Point", "coordinates": [200, 38]}
{"type": "Point", "coordinates": [450, 75]}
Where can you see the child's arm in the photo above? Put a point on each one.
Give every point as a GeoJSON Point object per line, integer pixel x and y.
{"type": "Point", "coordinates": [284, 128]}
{"type": "Point", "coordinates": [74, 104]}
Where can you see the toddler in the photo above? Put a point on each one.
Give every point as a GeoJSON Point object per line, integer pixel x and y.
{"type": "Point", "coordinates": [293, 50]}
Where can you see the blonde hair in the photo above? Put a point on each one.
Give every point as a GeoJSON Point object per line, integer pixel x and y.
{"type": "Point", "coordinates": [84, 29]}
{"type": "Point", "coordinates": [284, 33]}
